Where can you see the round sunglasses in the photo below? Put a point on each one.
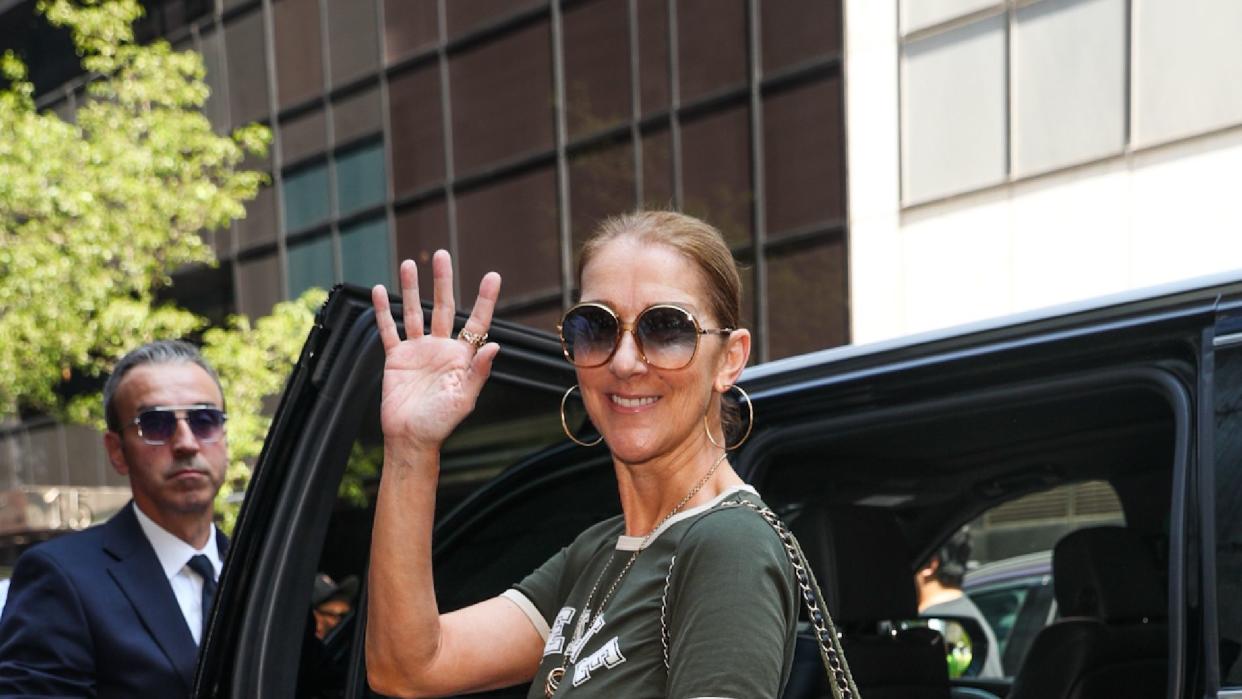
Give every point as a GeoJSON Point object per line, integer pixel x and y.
{"type": "Point", "coordinates": [667, 336]}
{"type": "Point", "coordinates": [158, 425]}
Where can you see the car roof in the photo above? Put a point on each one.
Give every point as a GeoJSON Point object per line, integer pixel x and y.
{"type": "Point", "coordinates": [1205, 289]}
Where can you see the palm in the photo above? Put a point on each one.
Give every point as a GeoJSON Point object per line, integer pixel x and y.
{"type": "Point", "coordinates": [431, 381]}
{"type": "Point", "coordinates": [427, 389]}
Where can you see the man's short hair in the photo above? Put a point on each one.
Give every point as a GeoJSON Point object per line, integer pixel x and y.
{"type": "Point", "coordinates": [158, 352]}
{"type": "Point", "coordinates": [953, 556]}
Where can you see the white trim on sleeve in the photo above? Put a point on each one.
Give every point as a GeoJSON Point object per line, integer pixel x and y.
{"type": "Point", "coordinates": [528, 608]}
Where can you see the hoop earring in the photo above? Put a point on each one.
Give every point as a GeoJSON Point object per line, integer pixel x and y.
{"type": "Point", "coordinates": [565, 423]}
{"type": "Point", "coordinates": [750, 422]}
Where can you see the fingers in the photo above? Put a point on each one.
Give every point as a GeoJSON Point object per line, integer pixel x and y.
{"type": "Point", "coordinates": [444, 306]}
{"type": "Point", "coordinates": [411, 305]}
{"type": "Point", "coordinates": [481, 365]}
{"type": "Point", "coordinates": [383, 318]}
{"type": "Point", "coordinates": [484, 305]}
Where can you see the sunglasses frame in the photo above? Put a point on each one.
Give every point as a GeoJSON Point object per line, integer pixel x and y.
{"type": "Point", "coordinates": [179, 412]}
{"type": "Point", "coordinates": [623, 327]}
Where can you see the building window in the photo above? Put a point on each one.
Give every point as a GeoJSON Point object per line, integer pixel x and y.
{"type": "Point", "coordinates": [360, 181]}
{"type": "Point", "coordinates": [365, 260]}
{"type": "Point", "coordinates": [996, 91]}
{"type": "Point", "coordinates": [310, 265]}
{"type": "Point", "coordinates": [306, 197]}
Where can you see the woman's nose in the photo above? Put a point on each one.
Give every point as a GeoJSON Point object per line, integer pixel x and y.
{"type": "Point", "coordinates": [628, 359]}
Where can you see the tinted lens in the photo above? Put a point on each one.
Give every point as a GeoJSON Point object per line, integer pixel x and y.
{"type": "Point", "coordinates": [668, 337]}
{"type": "Point", "coordinates": [206, 423]}
{"type": "Point", "coordinates": [157, 425]}
{"type": "Point", "coordinates": [589, 334]}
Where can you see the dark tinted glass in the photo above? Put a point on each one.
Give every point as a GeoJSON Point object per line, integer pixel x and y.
{"type": "Point", "coordinates": [259, 285]}
{"type": "Point", "coordinates": [421, 230]}
{"type": "Point", "coordinates": [365, 259]}
{"type": "Point", "coordinates": [356, 116]}
{"type": "Point", "coordinates": [796, 31]}
{"type": "Point", "coordinates": [711, 37]}
{"type": "Point", "coordinates": [259, 225]}
{"type": "Point", "coordinates": [511, 77]}
{"type": "Point", "coordinates": [510, 227]}
{"type": "Point", "coordinates": [589, 334]}
{"type": "Point", "coordinates": [409, 25]}
{"type": "Point", "coordinates": [360, 181]}
{"type": "Point", "coordinates": [716, 157]}
{"type": "Point", "coordinates": [601, 184]}
{"type": "Point", "coordinates": [299, 65]}
{"type": "Point", "coordinates": [306, 197]}
{"type": "Point", "coordinates": [243, 40]}
{"type": "Point", "coordinates": [657, 170]}
{"type": "Point", "coordinates": [668, 337]}
{"type": "Point", "coordinates": [1228, 458]}
{"type": "Point", "coordinates": [310, 265]}
{"type": "Point", "coordinates": [597, 69]}
{"type": "Point", "coordinates": [464, 17]}
{"type": "Point", "coordinates": [304, 136]}
{"type": "Point", "coordinates": [352, 39]}
{"type": "Point", "coordinates": [653, 68]}
{"type": "Point", "coordinates": [807, 300]}
{"type": "Point", "coordinates": [417, 130]}
{"type": "Point", "coordinates": [804, 157]}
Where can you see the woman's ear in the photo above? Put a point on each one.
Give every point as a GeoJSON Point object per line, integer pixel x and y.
{"type": "Point", "coordinates": [733, 359]}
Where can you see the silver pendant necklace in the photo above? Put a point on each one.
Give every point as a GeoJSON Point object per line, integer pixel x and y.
{"type": "Point", "coordinates": [556, 674]}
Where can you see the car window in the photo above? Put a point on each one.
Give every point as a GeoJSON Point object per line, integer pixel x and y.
{"type": "Point", "coordinates": [1228, 457]}
{"type": "Point", "coordinates": [513, 420]}
{"type": "Point", "coordinates": [1009, 571]}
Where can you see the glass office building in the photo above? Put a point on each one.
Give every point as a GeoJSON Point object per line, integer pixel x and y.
{"type": "Point", "coordinates": [500, 130]}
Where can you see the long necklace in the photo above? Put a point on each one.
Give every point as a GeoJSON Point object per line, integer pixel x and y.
{"type": "Point", "coordinates": [553, 680]}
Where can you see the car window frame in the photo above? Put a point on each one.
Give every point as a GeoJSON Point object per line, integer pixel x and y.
{"type": "Point", "coordinates": [753, 462]}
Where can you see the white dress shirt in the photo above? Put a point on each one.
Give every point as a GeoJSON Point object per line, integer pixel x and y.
{"type": "Point", "coordinates": [173, 555]}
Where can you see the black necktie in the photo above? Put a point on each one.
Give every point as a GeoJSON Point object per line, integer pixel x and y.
{"type": "Point", "coordinates": [199, 564]}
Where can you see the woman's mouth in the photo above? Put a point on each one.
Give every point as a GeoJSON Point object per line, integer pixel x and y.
{"type": "Point", "coordinates": [632, 402]}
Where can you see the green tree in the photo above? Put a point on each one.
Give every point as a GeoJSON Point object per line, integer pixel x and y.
{"type": "Point", "coordinates": [96, 214]}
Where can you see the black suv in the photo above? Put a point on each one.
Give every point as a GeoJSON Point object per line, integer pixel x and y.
{"type": "Point", "coordinates": [1109, 433]}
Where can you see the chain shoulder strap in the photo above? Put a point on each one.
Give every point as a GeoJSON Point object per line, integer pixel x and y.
{"type": "Point", "coordinates": [830, 651]}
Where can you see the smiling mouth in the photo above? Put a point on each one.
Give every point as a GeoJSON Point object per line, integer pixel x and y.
{"type": "Point", "coordinates": [624, 402]}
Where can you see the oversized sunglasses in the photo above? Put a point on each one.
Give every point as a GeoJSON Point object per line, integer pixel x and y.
{"type": "Point", "coordinates": [157, 425]}
{"type": "Point", "coordinates": [667, 336]}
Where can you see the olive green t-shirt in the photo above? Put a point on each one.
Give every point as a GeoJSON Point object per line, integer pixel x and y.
{"type": "Point", "coordinates": [731, 610]}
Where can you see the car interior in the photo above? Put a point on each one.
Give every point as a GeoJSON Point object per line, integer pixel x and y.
{"type": "Point", "coordinates": [870, 495]}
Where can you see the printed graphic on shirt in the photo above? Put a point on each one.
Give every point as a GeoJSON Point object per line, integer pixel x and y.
{"type": "Point", "coordinates": [556, 638]}
{"type": "Point", "coordinates": [609, 656]}
{"type": "Point", "coordinates": [575, 647]}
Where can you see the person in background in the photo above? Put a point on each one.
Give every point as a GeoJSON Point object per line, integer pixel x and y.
{"type": "Point", "coordinates": [119, 610]}
{"type": "Point", "coordinates": [331, 602]}
{"type": "Point", "coordinates": [940, 593]}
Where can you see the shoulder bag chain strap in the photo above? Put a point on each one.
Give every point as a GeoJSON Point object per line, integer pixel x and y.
{"type": "Point", "coordinates": [839, 677]}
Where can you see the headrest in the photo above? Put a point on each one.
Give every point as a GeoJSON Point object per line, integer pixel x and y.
{"type": "Point", "coordinates": [861, 560]}
{"type": "Point", "coordinates": [1109, 573]}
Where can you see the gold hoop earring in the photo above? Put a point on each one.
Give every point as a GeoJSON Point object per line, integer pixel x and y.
{"type": "Point", "coordinates": [750, 422]}
{"type": "Point", "coordinates": [565, 423]}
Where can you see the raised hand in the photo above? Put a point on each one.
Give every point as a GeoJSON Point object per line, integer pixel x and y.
{"type": "Point", "coordinates": [431, 381]}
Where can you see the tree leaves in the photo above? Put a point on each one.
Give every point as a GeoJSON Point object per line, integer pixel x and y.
{"type": "Point", "coordinates": [96, 215]}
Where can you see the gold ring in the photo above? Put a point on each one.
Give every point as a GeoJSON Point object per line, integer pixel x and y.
{"type": "Point", "coordinates": [472, 338]}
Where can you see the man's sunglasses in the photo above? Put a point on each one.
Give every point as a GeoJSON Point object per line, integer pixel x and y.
{"type": "Point", "coordinates": [157, 425]}
{"type": "Point", "coordinates": [667, 336]}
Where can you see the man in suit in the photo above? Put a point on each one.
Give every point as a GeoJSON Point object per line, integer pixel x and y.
{"type": "Point", "coordinates": [118, 610]}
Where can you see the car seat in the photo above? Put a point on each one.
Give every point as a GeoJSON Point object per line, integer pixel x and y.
{"type": "Point", "coordinates": [1112, 639]}
{"type": "Point", "coordinates": [861, 560]}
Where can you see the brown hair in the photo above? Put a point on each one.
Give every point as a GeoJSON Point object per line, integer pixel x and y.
{"type": "Point", "coordinates": [700, 243]}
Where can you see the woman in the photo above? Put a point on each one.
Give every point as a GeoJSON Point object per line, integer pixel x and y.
{"type": "Point", "coordinates": [681, 595]}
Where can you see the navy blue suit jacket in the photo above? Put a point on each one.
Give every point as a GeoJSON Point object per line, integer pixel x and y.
{"type": "Point", "coordinates": [91, 614]}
